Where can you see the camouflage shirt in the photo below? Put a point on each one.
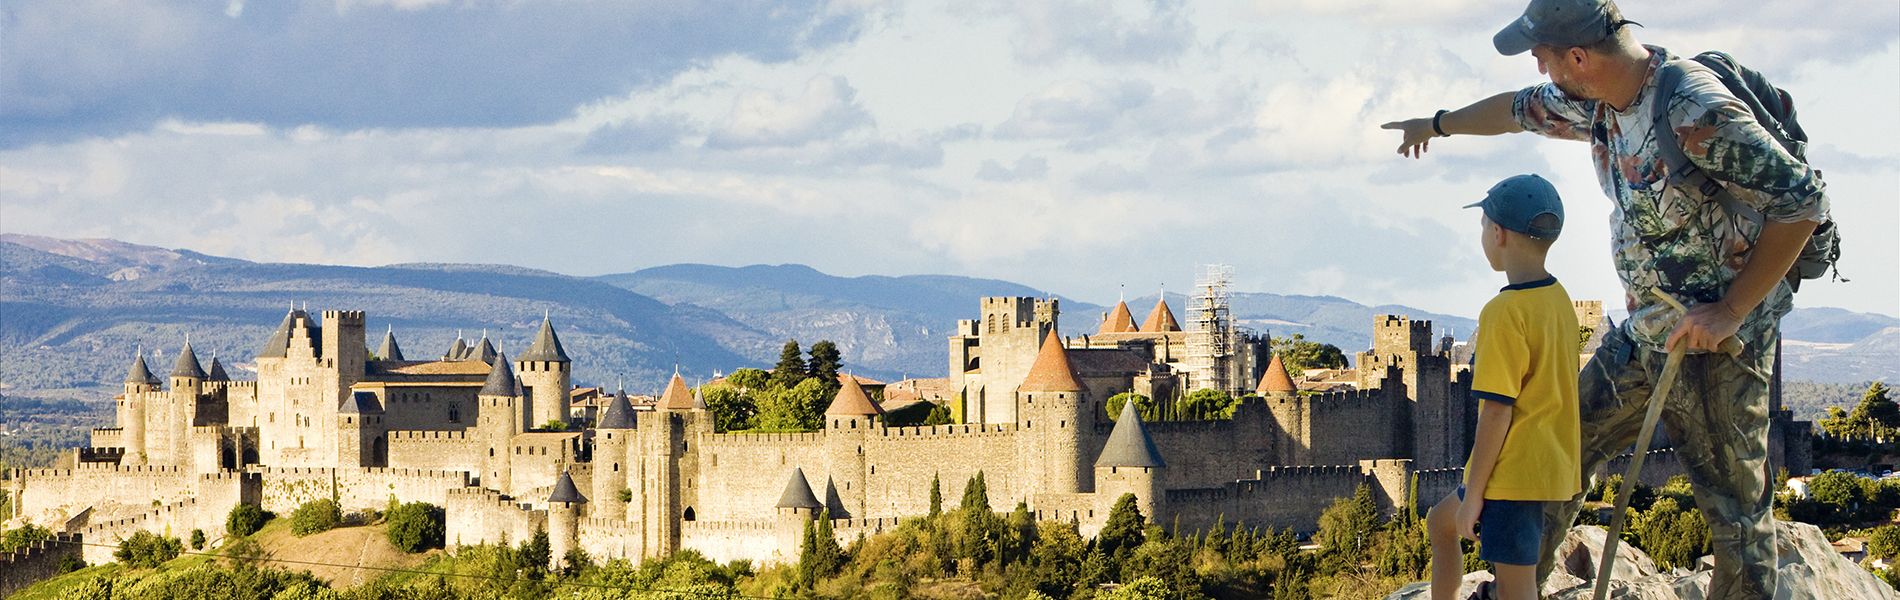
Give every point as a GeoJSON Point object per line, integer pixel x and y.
{"type": "Point", "coordinates": [1660, 236]}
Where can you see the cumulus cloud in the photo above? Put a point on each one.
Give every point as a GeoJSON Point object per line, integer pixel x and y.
{"type": "Point", "coordinates": [1139, 31]}
{"type": "Point", "coordinates": [79, 69]}
{"type": "Point", "coordinates": [826, 107]}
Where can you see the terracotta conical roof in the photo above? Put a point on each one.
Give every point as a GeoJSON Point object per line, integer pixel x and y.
{"type": "Point", "coordinates": [139, 373]}
{"type": "Point", "coordinates": [217, 372]}
{"type": "Point", "coordinates": [279, 340]}
{"type": "Point", "coordinates": [1276, 380]}
{"type": "Point", "coordinates": [676, 396]}
{"type": "Point", "coordinates": [390, 350]}
{"type": "Point", "coordinates": [1051, 371]}
{"type": "Point", "coordinates": [564, 491]}
{"type": "Point", "coordinates": [1161, 318]}
{"type": "Point", "coordinates": [851, 401]}
{"type": "Point", "coordinates": [187, 365]}
{"type": "Point", "coordinates": [798, 492]}
{"type": "Point", "coordinates": [547, 345]}
{"type": "Point", "coordinates": [1129, 444]}
{"type": "Point", "coordinates": [1119, 320]}
{"type": "Point", "coordinates": [501, 381]}
{"type": "Point", "coordinates": [619, 414]}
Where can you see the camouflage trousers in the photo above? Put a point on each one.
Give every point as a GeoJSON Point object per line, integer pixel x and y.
{"type": "Point", "coordinates": [1716, 417]}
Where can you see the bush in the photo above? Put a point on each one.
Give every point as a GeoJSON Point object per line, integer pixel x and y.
{"type": "Point", "coordinates": [146, 549]}
{"type": "Point", "coordinates": [315, 516]}
{"type": "Point", "coordinates": [197, 539]}
{"type": "Point", "coordinates": [245, 519]}
{"type": "Point", "coordinates": [415, 526]}
{"type": "Point", "coordinates": [15, 539]}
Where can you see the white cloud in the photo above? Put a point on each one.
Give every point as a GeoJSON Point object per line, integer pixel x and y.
{"type": "Point", "coordinates": [826, 107]}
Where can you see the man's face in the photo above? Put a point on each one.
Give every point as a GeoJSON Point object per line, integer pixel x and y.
{"type": "Point", "coordinates": [1561, 65]}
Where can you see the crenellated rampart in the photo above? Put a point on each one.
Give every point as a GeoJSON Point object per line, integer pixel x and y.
{"type": "Point", "coordinates": [40, 560]}
{"type": "Point", "coordinates": [367, 488]}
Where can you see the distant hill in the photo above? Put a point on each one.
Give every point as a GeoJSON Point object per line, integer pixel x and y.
{"type": "Point", "coordinates": [65, 321]}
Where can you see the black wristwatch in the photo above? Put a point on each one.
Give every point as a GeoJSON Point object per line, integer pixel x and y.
{"type": "Point", "coordinates": [1435, 128]}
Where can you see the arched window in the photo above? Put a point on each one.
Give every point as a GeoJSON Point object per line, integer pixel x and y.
{"type": "Point", "coordinates": [688, 516]}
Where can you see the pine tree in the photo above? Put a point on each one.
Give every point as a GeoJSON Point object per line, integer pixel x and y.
{"type": "Point", "coordinates": [825, 362]}
{"type": "Point", "coordinates": [976, 495]}
{"type": "Point", "coordinates": [791, 365]}
{"type": "Point", "coordinates": [1124, 529]}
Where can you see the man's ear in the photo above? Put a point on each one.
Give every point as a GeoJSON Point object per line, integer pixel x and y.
{"type": "Point", "coordinates": [1577, 56]}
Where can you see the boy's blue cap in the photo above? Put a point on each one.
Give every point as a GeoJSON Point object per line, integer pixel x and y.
{"type": "Point", "coordinates": [1517, 201]}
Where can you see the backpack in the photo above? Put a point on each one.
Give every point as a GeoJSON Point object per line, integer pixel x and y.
{"type": "Point", "coordinates": [1773, 108]}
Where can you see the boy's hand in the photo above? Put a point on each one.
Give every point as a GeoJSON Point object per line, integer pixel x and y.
{"type": "Point", "coordinates": [1467, 519]}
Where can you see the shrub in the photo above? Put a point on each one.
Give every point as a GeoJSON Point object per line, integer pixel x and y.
{"type": "Point", "coordinates": [245, 519]}
{"type": "Point", "coordinates": [197, 539]}
{"type": "Point", "coordinates": [147, 549]}
{"type": "Point", "coordinates": [415, 526]}
{"type": "Point", "coordinates": [315, 516]}
{"type": "Point", "coordinates": [15, 539]}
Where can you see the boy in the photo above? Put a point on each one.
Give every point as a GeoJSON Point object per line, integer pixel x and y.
{"type": "Point", "coordinates": [1526, 450]}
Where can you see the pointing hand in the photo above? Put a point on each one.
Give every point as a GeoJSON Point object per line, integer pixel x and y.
{"type": "Point", "coordinates": [1418, 136]}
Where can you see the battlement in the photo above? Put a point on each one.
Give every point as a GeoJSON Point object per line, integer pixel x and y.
{"type": "Point", "coordinates": [412, 435]}
{"type": "Point", "coordinates": [1347, 398]}
{"type": "Point", "coordinates": [971, 430]}
{"type": "Point", "coordinates": [97, 454]}
{"type": "Point", "coordinates": [743, 525]}
{"type": "Point", "coordinates": [228, 476]}
{"type": "Point", "coordinates": [865, 524]}
{"type": "Point", "coordinates": [763, 439]}
{"type": "Point", "coordinates": [1397, 334]}
{"type": "Point", "coordinates": [485, 496]}
{"type": "Point", "coordinates": [1304, 471]}
{"type": "Point", "coordinates": [343, 317]}
{"type": "Point", "coordinates": [92, 468]}
{"type": "Point", "coordinates": [34, 562]}
{"type": "Point", "coordinates": [1179, 427]}
{"type": "Point", "coordinates": [58, 539]}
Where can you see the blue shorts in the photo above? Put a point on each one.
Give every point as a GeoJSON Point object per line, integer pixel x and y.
{"type": "Point", "coordinates": [1510, 532]}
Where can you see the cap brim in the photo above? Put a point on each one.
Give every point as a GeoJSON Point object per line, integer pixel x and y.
{"type": "Point", "coordinates": [1514, 39]}
{"type": "Point", "coordinates": [1478, 204]}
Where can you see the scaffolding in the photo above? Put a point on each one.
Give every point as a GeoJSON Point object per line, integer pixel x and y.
{"type": "Point", "coordinates": [1210, 339]}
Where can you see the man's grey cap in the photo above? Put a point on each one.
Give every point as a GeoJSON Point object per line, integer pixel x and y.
{"type": "Point", "coordinates": [1560, 23]}
{"type": "Point", "coordinates": [1518, 201]}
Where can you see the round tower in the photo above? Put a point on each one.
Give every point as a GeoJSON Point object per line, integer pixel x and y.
{"type": "Point", "coordinates": [1130, 464]}
{"type": "Point", "coordinates": [1288, 410]}
{"type": "Point", "coordinates": [498, 411]}
{"type": "Point", "coordinates": [140, 384]}
{"type": "Point", "coordinates": [564, 524]}
{"type": "Point", "coordinates": [797, 507]}
{"type": "Point", "coordinates": [187, 381]}
{"type": "Point", "coordinates": [848, 421]}
{"type": "Point", "coordinates": [546, 372]}
{"type": "Point", "coordinates": [1057, 419]}
{"type": "Point", "coordinates": [613, 436]}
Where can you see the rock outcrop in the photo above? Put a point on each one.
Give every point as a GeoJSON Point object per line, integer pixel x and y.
{"type": "Point", "coordinates": [1808, 568]}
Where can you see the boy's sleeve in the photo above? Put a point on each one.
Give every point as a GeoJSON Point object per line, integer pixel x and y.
{"type": "Point", "coordinates": [1502, 357]}
{"type": "Point", "coordinates": [1545, 110]}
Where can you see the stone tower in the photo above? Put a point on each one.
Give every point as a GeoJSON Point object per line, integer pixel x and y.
{"type": "Point", "coordinates": [989, 357]}
{"type": "Point", "coordinates": [187, 380]}
{"type": "Point", "coordinates": [663, 445]}
{"type": "Point", "coordinates": [564, 524]}
{"type": "Point", "coordinates": [1058, 421]}
{"type": "Point", "coordinates": [360, 432]}
{"type": "Point", "coordinates": [1438, 434]}
{"type": "Point", "coordinates": [797, 507]}
{"type": "Point", "coordinates": [1130, 464]}
{"type": "Point", "coordinates": [613, 436]}
{"type": "Point", "coordinates": [498, 410]}
{"type": "Point", "coordinates": [848, 421]}
{"type": "Point", "coordinates": [140, 384]}
{"type": "Point", "coordinates": [546, 373]}
{"type": "Point", "coordinates": [1293, 440]}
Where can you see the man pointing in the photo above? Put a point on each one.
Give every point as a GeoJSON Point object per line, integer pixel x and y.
{"type": "Point", "coordinates": [1730, 268]}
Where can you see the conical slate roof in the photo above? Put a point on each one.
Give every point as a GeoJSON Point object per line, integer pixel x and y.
{"type": "Point", "coordinates": [619, 414]}
{"type": "Point", "coordinates": [279, 340]}
{"type": "Point", "coordinates": [187, 365]}
{"type": "Point", "coordinates": [1051, 371]}
{"type": "Point", "coordinates": [547, 345]}
{"type": "Point", "coordinates": [501, 381]}
{"type": "Point", "coordinates": [484, 351]}
{"type": "Point", "coordinates": [1119, 320]}
{"type": "Point", "coordinates": [458, 350]}
{"type": "Point", "coordinates": [564, 491]}
{"type": "Point", "coordinates": [139, 373]}
{"type": "Point", "coordinates": [217, 372]}
{"type": "Point", "coordinates": [390, 350]}
{"type": "Point", "coordinates": [676, 396]}
{"type": "Point", "coordinates": [1129, 444]}
{"type": "Point", "coordinates": [1161, 318]}
{"type": "Point", "coordinates": [360, 402]}
{"type": "Point", "coordinates": [798, 492]}
{"type": "Point", "coordinates": [851, 401]}
{"type": "Point", "coordinates": [1276, 380]}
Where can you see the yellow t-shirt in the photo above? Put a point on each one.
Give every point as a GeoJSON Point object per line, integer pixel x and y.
{"type": "Point", "coordinates": [1526, 356]}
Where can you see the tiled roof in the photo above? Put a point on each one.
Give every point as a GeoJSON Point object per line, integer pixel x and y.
{"type": "Point", "coordinates": [1161, 318]}
{"type": "Point", "coordinates": [852, 401]}
{"type": "Point", "coordinates": [1051, 371]}
{"type": "Point", "coordinates": [1275, 380]}
{"type": "Point", "coordinates": [1119, 320]}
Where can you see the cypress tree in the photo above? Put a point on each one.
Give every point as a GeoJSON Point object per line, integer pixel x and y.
{"type": "Point", "coordinates": [936, 496]}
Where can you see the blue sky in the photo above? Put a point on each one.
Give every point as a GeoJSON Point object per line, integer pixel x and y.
{"type": "Point", "coordinates": [1074, 146]}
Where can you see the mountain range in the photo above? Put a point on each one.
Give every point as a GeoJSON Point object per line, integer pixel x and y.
{"type": "Point", "coordinates": [72, 312]}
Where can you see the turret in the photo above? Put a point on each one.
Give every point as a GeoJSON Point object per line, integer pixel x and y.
{"type": "Point", "coordinates": [484, 350]}
{"type": "Point", "coordinates": [139, 383]}
{"type": "Point", "coordinates": [187, 374]}
{"type": "Point", "coordinates": [564, 508]}
{"type": "Point", "coordinates": [676, 398]}
{"type": "Point", "coordinates": [1289, 412]}
{"type": "Point", "coordinates": [797, 508]}
{"type": "Point", "coordinates": [216, 372]}
{"type": "Point", "coordinates": [1130, 464]}
{"type": "Point", "coordinates": [457, 350]}
{"type": "Point", "coordinates": [613, 435]}
{"type": "Point", "coordinates": [181, 406]}
{"type": "Point", "coordinates": [360, 431]}
{"type": "Point", "coordinates": [547, 373]}
{"type": "Point", "coordinates": [851, 408]}
{"type": "Point", "coordinates": [1275, 382]}
{"type": "Point", "coordinates": [848, 421]}
{"type": "Point", "coordinates": [1056, 417]}
{"type": "Point", "coordinates": [389, 350]}
{"type": "Point", "coordinates": [344, 347]}
{"type": "Point", "coordinates": [498, 405]}
{"type": "Point", "coordinates": [1118, 320]}
{"type": "Point", "coordinates": [140, 378]}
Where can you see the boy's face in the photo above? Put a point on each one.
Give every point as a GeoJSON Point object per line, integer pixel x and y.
{"type": "Point", "coordinates": [1492, 240]}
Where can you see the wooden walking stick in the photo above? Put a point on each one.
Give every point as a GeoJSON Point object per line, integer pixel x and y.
{"type": "Point", "coordinates": [1730, 346]}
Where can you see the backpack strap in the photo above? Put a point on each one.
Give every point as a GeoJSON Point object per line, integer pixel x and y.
{"type": "Point", "coordinates": [1683, 172]}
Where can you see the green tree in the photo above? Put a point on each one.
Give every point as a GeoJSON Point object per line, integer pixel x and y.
{"type": "Point", "coordinates": [315, 516]}
{"type": "Point", "coordinates": [732, 408]}
{"type": "Point", "coordinates": [415, 526]}
{"type": "Point", "coordinates": [535, 553]}
{"type": "Point", "coordinates": [939, 415]}
{"type": "Point", "coordinates": [1142, 588]}
{"type": "Point", "coordinates": [819, 555]}
{"type": "Point", "coordinates": [799, 408]}
{"type": "Point", "coordinates": [749, 379]}
{"type": "Point", "coordinates": [245, 519]}
{"type": "Point", "coordinates": [936, 496]}
{"type": "Point", "coordinates": [791, 367]}
{"type": "Point", "coordinates": [147, 549]}
{"type": "Point", "coordinates": [1208, 404]}
{"type": "Point", "coordinates": [1346, 527]}
{"type": "Point", "coordinates": [21, 537]}
{"type": "Point", "coordinates": [825, 362]}
{"type": "Point", "coordinates": [197, 539]}
{"type": "Point", "coordinates": [1143, 405]}
{"type": "Point", "coordinates": [1124, 531]}
{"type": "Point", "coordinates": [976, 494]}
{"type": "Point", "coordinates": [1300, 354]}
{"type": "Point", "coordinates": [1838, 496]}
{"type": "Point", "coordinates": [1884, 542]}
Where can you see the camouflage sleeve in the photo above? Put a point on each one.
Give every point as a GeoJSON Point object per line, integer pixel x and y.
{"type": "Point", "coordinates": [1545, 110]}
{"type": "Point", "coordinates": [1721, 136]}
